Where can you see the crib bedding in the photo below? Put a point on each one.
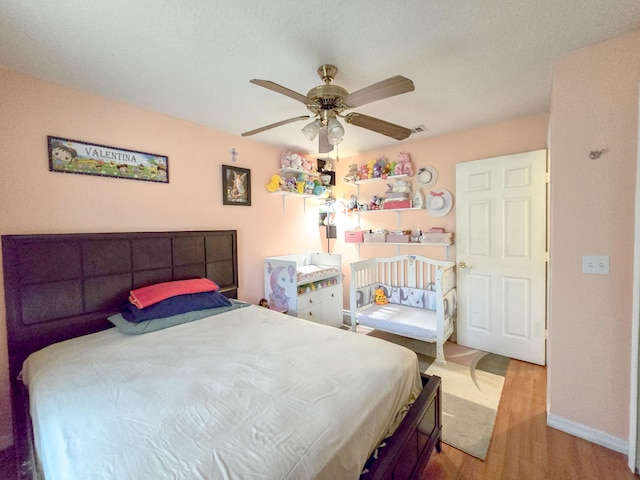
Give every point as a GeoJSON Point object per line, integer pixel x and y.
{"type": "Point", "coordinates": [413, 322]}
{"type": "Point", "coordinates": [248, 393]}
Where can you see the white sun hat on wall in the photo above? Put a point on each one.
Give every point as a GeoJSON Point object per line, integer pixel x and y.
{"type": "Point", "coordinates": [439, 202]}
{"type": "Point", "coordinates": [427, 176]}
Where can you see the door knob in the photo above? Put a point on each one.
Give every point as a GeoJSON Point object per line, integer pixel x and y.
{"type": "Point", "coordinates": [464, 265]}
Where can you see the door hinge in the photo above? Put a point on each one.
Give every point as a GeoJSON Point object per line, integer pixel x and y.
{"type": "Point", "coordinates": [546, 257]}
{"type": "Point", "coordinates": [546, 177]}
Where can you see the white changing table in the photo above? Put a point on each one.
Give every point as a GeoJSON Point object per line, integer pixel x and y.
{"type": "Point", "coordinates": [306, 285]}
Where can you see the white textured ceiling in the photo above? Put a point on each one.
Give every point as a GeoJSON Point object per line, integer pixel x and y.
{"type": "Point", "coordinates": [473, 62]}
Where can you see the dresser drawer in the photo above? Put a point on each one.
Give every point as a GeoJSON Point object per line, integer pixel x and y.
{"type": "Point", "coordinates": [332, 296]}
{"type": "Point", "coordinates": [312, 313]}
{"type": "Point", "coordinates": [308, 299]}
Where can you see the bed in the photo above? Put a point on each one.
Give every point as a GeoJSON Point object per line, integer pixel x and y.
{"type": "Point", "coordinates": [418, 297]}
{"type": "Point", "coordinates": [86, 377]}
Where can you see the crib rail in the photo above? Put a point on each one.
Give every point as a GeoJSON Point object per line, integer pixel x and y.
{"type": "Point", "coordinates": [403, 271]}
{"type": "Point", "coordinates": [412, 271]}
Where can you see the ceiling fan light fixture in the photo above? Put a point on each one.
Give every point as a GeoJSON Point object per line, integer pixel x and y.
{"type": "Point", "coordinates": [334, 129]}
{"type": "Point", "coordinates": [311, 130]}
{"type": "Point", "coordinates": [326, 102]}
{"type": "Point", "coordinates": [335, 141]}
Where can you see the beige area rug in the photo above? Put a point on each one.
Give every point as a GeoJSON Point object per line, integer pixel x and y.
{"type": "Point", "coordinates": [472, 382]}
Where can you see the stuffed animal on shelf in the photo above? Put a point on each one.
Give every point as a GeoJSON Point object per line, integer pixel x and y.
{"type": "Point", "coordinates": [309, 185]}
{"type": "Point", "coordinates": [352, 174]}
{"type": "Point", "coordinates": [379, 168]}
{"type": "Point", "coordinates": [306, 165]}
{"type": "Point", "coordinates": [319, 189]}
{"type": "Point", "coordinates": [275, 184]}
{"type": "Point", "coordinates": [403, 165]}
{"type": "Point", "coordinates": [400, 186]}
{"type": "Point", "coordinates": [352, 204]}
{"type": "Point", "coordinates": [381, 298]}
{"type": "Point", "coordinates": [285, 161]}
{"type": "Point", "coordinates": [296, 162]}
{"type": "Point", "coordinates": [376, 203]}
{"type": "Point", "coordinates": [363, 172]}
{"type": "Point", "coordinates": [292, 160]}
{"type": "Point", "coordinates": [370, 166]}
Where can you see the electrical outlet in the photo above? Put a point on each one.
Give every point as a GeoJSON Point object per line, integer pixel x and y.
{"type": "Point", "coordinates": [598, 265]}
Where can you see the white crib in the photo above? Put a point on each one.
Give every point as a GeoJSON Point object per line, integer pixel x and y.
{"type": "Point", "coordinates": [421, 293]}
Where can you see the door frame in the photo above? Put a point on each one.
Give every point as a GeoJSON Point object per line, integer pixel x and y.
{"type": "Point", "coordinates": [634, 427]}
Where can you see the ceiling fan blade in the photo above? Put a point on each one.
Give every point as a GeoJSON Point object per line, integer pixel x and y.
{"type": "Point", "coordinates": [282, 90]}
{"type": "Point", "coordinates": [380, 126]}
{"type": "Point", "coordinates": [384, 89]}
{"type": "Point", "coordinates": [273, 125]}
{"type": "Point", "coordinates": [323, 141]}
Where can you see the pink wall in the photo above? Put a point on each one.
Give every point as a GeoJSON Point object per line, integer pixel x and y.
{"type": "Point", "coordinates": [594, 106]}
{"type": "Point", "coordinates": [521, 135]}
{"type": "Point", "coordinates": [38, 201]}
{"type": "Point", "coordinates": [35, 200]}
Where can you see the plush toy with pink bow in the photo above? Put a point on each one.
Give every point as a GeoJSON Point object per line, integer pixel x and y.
{"type": "Point", "coordinates": [403, 165]}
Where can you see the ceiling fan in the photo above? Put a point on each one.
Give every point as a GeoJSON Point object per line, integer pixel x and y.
{"type": "Point", "coordinates": [327, 102]}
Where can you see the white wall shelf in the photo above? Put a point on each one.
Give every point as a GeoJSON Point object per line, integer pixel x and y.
{"type": "Point", "coordinates": [285, 194]}
{"type": "Point", "coordinates": [398, 212]}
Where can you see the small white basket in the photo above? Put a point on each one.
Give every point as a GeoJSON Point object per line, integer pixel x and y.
{"type": "Point", "coordinates": [443, 238]}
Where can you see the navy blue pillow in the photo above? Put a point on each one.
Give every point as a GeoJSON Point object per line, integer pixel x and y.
{"type": "Point", "coordinates": [174, 306]}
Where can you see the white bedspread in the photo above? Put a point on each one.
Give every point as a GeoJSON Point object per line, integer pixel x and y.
{"type": "Point", "coordinates": [247, 394]}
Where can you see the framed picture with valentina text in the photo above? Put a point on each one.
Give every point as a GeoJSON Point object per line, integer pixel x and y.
{"type": "Point", "coordinates": [236, 186]}
{"type": "Point", "coordinates": [75, 156]}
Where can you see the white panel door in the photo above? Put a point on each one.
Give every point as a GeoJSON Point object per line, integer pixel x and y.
{"type": "Point", "coordinates": [501, 255]}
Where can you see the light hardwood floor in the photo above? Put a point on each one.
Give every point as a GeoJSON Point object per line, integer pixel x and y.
{"type": "Point", "coordinates": [523, 447]}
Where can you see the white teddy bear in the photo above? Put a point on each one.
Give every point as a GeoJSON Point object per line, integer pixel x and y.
{"type": "Point", "coordinates": [400, 186]}
{"type": "Point", "coordinates": [352, 174]}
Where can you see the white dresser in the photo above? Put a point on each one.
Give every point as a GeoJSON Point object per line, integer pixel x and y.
{"type": "Point", "coordinates": [307, 286]}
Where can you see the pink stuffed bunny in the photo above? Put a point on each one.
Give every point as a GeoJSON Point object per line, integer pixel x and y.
{"type": "Point", "coordinates": [403, 165]}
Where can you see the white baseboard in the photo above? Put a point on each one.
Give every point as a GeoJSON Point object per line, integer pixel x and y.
{"type": "Point", "coordinates": [589, 434]}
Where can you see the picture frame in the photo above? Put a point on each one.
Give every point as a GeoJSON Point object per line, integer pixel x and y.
{"type": "Point", "coordinates": [322, 168]}
{"type": "Point", "coordinates": [76, 156]}
{"type": "Point", "coordinates": [236, 186]}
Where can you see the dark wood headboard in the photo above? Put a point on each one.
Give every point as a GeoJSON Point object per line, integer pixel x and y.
{"type": "Point", "coordinates": [65, 285]}
{"type": "Point", "coordinates": [62, 286]}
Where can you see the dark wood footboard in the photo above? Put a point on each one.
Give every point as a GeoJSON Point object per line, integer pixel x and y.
{"type": "Point", "coordinates": [408, 450]}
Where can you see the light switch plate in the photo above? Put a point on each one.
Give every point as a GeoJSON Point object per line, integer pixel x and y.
{"type": "Point", "coordinates": [596, 264]}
